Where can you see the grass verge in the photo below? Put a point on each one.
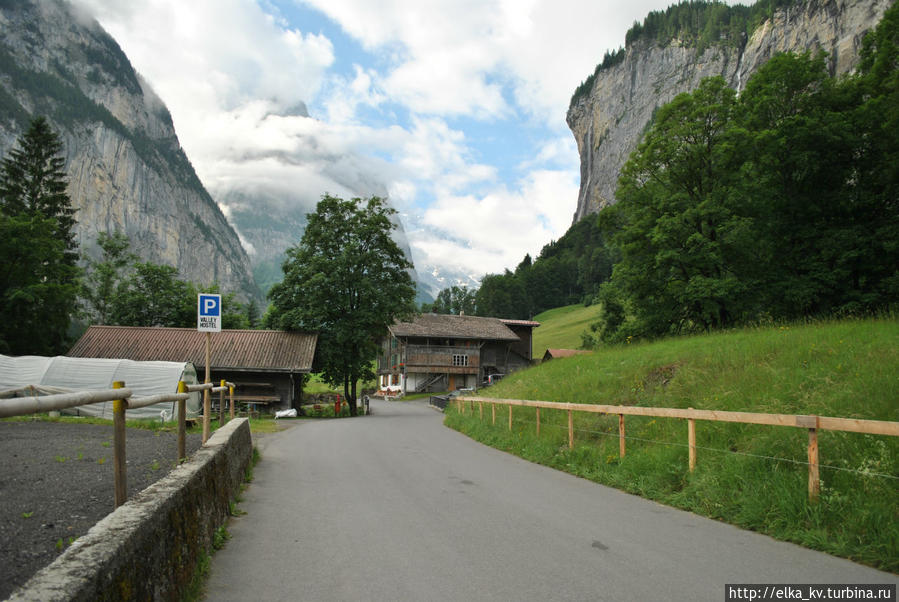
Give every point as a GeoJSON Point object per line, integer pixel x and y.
{"type": "Point", "coordinates": [196, 590]}
{"type": "Point", "coordinates": [752, 476]}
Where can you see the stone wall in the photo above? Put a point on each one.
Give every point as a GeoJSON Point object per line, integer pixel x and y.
{"type": "Point", "coordinates": [148, 549]}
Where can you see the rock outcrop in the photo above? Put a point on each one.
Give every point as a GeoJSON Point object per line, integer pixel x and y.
{"type": "Point", "coordinates": [610, 119]}
{"type": "Point", "coordinates": [125, 166]}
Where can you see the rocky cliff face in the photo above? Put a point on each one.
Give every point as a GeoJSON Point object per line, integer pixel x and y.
{"type": "Point", "coordinates": [609, 121]}
{"type": "Point", "coordinates": [125, 165]}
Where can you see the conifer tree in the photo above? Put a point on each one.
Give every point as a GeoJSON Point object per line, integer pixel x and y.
{"type": "Point", "coordinates": [33, 180]}
{"type": "Point", "coordinates": [38, 273]}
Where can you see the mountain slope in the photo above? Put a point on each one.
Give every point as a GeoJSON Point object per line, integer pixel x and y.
{"type": "Point", "coordinates": [612, 109]}
{"type": "Point", "coordinates": [125, 166]}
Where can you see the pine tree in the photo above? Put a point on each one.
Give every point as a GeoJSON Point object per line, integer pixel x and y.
{"type": "Point", "coordinates": [38, 252]}
{"type": "Point", "coordinates": [33, 180]}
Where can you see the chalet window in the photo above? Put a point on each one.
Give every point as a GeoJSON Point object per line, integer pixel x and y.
{"type": "Point", "coordinates": [460, 360]}
{"type": "Point", "coordinates": [394, 379]}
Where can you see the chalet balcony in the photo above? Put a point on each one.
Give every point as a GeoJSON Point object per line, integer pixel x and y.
{"type": "Point", "coordinates": [438, 358]}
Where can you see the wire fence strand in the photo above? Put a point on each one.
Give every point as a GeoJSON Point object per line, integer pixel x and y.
{"type": "Point", "coordinates": [712, 449]}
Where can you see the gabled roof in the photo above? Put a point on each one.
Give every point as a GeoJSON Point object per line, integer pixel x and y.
{"type": "Point", "coordinates": [530, 323]}
{"type": "Point", "coordinates": [558, 353]}
{"type": "Point", "coordinates": [454, 327]}
{"type": "Point", "coordinates": [267, 350]}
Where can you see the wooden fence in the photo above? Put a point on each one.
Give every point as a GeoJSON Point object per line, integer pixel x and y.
{"type": "Point", "coordinates": [122, 399]}
{"type": "Point", "coordinates": [811, 423]}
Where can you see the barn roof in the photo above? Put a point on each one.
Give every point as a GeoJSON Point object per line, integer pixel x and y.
{"type": "Point", "coordinates": [455, 327]}
{"type": "Point", "coordinates": [530, 323]}
{"type": "Point", "coordinates": [559, 353]}
{"type": "Point", "coordinates": [264, 350]}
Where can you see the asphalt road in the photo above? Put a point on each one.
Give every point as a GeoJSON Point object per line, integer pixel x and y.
{"type": "Point", "coordinates": [395, 506]}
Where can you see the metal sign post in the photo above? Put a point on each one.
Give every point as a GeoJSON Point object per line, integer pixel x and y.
{"type": "Point", "coordinates": [209, 320]}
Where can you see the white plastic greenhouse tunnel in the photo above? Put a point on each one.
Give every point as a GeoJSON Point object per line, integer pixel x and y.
{"type": "Point", "coordinates": [30, 375]}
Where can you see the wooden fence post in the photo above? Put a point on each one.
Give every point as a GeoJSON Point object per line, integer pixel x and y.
{"type": "Point", "coordinates": [510, 416]}
{"type": "Point", "coordinates": [182, 422]}
{"type": "Point", "coordinates": [231, 396]}
{"type": "Point", "coordinates": [222, 405]}
{"type": "Point", "coordinates": [493, 410]}
{"type": "Point", "coordinates": [814, 484]}
{"type": "Point", "coordinates": [118, 427]}
{"type": "Point", "coordinates": [620, 435]}
{"type": "Point", "coordinates": [691, 441]}
{"type": "Point", "coordinates": [538, 422]}
{"type": "Point", "coordinates": [570, 429]}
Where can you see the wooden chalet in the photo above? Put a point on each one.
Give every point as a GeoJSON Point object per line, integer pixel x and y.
{"type": "Point", "coordinates": [438, 352]}
{"type": "Point", "coordinates": [266, 365]}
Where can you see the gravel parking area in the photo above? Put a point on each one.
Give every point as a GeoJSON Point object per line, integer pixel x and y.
{"type": "Point", "coordinates": [56, 482]}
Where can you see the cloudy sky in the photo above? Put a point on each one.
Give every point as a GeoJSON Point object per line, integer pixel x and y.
{"type": "Point", "coordinates": [455, 108]}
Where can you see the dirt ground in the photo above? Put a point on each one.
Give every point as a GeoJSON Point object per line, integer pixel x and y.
{"type": "Point", "coordinates": [56, 482]}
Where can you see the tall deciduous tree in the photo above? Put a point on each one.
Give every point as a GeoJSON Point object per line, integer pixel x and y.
{"type": "Point", "coordinates": [38, 272]}
{"type": "Point", "coordinates": [347, 280]}
{"type": "Point", "coordinates": [797, 185]}
{"type": "Point", "coordinates": [878, 177]}
{"type": "Point", "coordinates": [454, 300]}
{"type": "Point", "coordinates": [153, 295]}
{"type": "Point", "coordinates": [502, 296]}
{"type": "Point", "coordinates": [676, 267]}
{"type": "Point", "coordinates": [103, 276]}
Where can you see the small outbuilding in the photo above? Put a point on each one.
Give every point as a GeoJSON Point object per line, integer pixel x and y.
{"type": "Point", "coordinates": [552, 354]}
{"type": "Point", "coordinates": [267, 366]}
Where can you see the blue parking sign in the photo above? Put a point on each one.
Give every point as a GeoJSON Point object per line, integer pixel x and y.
{"type": "Point", "coordinates": [209, 312]}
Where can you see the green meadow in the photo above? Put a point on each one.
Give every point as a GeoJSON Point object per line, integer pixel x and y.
{"type": "Point", "coordinates": [752, 476]}
{"type": "Point", "coordinates": [561, 328]}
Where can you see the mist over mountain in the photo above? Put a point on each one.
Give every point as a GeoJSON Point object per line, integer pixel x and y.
{"type": "Point", "coordinates": [125, 165]}
{"type": "Point", "coordinates": [128, 172]}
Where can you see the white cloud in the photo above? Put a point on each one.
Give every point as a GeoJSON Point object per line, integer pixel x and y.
{"type": "Point", "coordinates": [346, 95]}
{"type": "Point", "coordinates": [214, 55]}
{"type": "Point", "coordinates": [560, 151]}
{"type": "Point", "coordinates": [434, 152]}
{"type": "Point", "coordinates": [235, 78]}
{"type": "Point", "coordinates": [452, 57]}
{"type": "Point", "coordinates": [487, 234]}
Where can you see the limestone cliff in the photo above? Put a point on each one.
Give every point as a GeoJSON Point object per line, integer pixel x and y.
{"type": "Point", "coordinates": [612, 114]}
{"type": "Point", "coordinates": [125, 166]}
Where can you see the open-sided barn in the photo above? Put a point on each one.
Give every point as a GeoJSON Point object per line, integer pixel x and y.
{"type": "Point", "coordinates": [266, 365]}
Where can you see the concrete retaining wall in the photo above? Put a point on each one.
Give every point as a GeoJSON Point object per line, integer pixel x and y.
{"type": "Point", "coordinates": [148, 548]}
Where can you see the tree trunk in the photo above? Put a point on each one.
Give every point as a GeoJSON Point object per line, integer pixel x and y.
{"type": "Point", "coordinates": [351, 399]}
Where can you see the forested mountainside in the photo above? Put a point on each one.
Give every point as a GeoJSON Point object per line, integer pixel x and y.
{"type": "Point", "coordinates": [776, 203]}
{"type": "Point", "coordinates": [673, 50]}
{"type": "Point", "coordinates": [125, 166]}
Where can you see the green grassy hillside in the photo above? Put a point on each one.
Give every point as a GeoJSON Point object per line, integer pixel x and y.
{"type": "Point", "coordinates": [561, 328]}
{"type": "Point", "coordinates": [752, 476]}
